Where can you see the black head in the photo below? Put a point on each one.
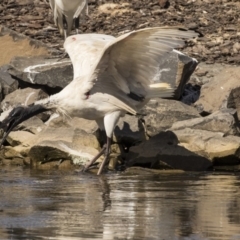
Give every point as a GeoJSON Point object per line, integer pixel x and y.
{"type": "Point", "coordinates": [17, 116]}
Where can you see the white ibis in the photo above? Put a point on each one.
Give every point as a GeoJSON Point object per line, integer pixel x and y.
{"type": "Point", "coordinates": [67, 12]}
{"type": "Point", "coordinates": [119, 77]}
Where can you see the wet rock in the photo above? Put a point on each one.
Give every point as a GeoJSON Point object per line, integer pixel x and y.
{"type": "Point", "coordinates": [64, 143]}
{"type": "Point", "coordinates": [13, 162]}
{"type": "Point", "coordinates": [220, 121]}
{"type": "Point", "coordinates": [25, 97]}
{"type": "Point", "coordinates": [163, 151]}
{"type": "Point", "coordinates": [161, 114]}
{"type": "Point", "coordinates": [42, 71]}
{"type": "Point", "coordinates": [10, 153]}
{"type": "Point", "coordinates": [47, 151]}
{"type": "Point", "coordinates": [147, 171]}
{"type": "Point", "coordinates": [215, 94]}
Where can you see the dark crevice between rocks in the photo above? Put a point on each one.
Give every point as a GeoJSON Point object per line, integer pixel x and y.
{"type": "Point", "coordinates": [45, 88]}
{"type": "Point", "coordinates": [190, 94]}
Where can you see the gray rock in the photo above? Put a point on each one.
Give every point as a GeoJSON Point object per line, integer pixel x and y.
{"type": "Point", "coordinates": [233, 100]}
{"type": "Point", "coordinates": [163, 150]}
{"type": "Point", "coordinates": [24, 96]}
{"type": "Point", "coordinates": [129, 131]}
{"type": "Point", "coordinates": [215, 94]}
{"type": "Point", "coordinates": [182, 69]}
{"type": "Point", "coordinates": [66, 134]}
{"type": "Point", "coordinates": [42, 71]}
{"type": "Point", "coordinates": [161, 114]}
{"type": "Point", "coordinates": [57, 121]}
{"type": "Point", "coordinates": [33, 125]}
{"type": "Point", "coordinates": [7, 83]}
{"type": "Point", "coordinates": [217, 122]}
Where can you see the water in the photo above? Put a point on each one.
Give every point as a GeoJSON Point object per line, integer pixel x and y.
{"type": "Point", "coordinates": [67, 205]}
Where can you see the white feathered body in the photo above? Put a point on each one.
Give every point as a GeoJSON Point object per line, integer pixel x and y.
{"type": "Point", "coordinates": [113, 76]}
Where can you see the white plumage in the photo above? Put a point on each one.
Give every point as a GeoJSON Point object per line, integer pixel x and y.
{"type": "Point", "coordinates": [67, 12]}
{"type": "Point", "coordinates": [113, 76]}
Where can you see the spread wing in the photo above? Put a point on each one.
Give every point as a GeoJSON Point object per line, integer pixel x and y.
{"type": "Point", "coordinates": [127, 66]}
{"type": "Point", "coordinates": [84, 50]}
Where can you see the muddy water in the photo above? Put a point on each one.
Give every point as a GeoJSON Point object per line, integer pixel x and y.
{"type": "Point", "coordinates": [69, 205]}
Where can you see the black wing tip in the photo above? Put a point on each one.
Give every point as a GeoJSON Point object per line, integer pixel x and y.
{"type": "Point", "coordinates": [136, 97]}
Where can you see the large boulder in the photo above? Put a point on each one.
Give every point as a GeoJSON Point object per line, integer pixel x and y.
{"type": "Point", "coordinates": [219, 121]}
{"type": "Point", "coordinates": [129, 131]}
{"type": "Point", "coordinates": [46, 151]}
{"type": "Point", "coordinates": [162, 113]}
{"type": "Point", "coordinates": [163, 150]}
{"type": "Point", "coordinates": [216, 94]}
{"type": "Point", "coordinates": [41, 71]}
{"type": "Point", "coordinates": [53, 144]}
{"type": "Point", "coordinates": [211, 145]}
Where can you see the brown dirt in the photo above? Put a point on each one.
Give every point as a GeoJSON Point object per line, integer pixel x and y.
{"type": "Point", "coordinates": [217, 20]}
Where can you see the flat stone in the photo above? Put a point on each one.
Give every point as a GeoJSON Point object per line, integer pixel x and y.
{"type": "Point", "coordinates": [42, 71]}
{"type": "Point", "coordinates": [60, 150]}
{"type": "Point", "coordinates": [24, 96]}
{"type": "Point", "coordinates": [212, 145]}
{"type": "Point", "coordinates": [34, 125]}
{"type": "Point", "coordinates": [20, 138]}
{"type": "Point", "coordinates": [150, 171]}
{"type": "Point", "coordinates": [220, 121]}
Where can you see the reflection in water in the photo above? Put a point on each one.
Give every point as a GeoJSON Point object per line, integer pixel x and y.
{"type": "Point", "coordinates": [66, 205]}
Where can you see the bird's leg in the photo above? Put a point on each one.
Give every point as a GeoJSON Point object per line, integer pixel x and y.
{"type": "Point", "coordinates": [76, 23]}
{"type": "Point", "coordinates": [95, 158]}
{"type": "Point", "coordinates": [65, 26]}
{"type": "Point", "coordinates": [107, 152]}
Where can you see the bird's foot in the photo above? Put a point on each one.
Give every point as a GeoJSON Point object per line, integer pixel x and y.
{"type": "Point", "coordinates": [87, 166]}
{"type": "Point", "coordinates": [105, 150]}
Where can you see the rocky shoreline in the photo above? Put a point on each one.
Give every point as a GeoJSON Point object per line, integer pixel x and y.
{"type": "Point", "coordinates": [198, 133]}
